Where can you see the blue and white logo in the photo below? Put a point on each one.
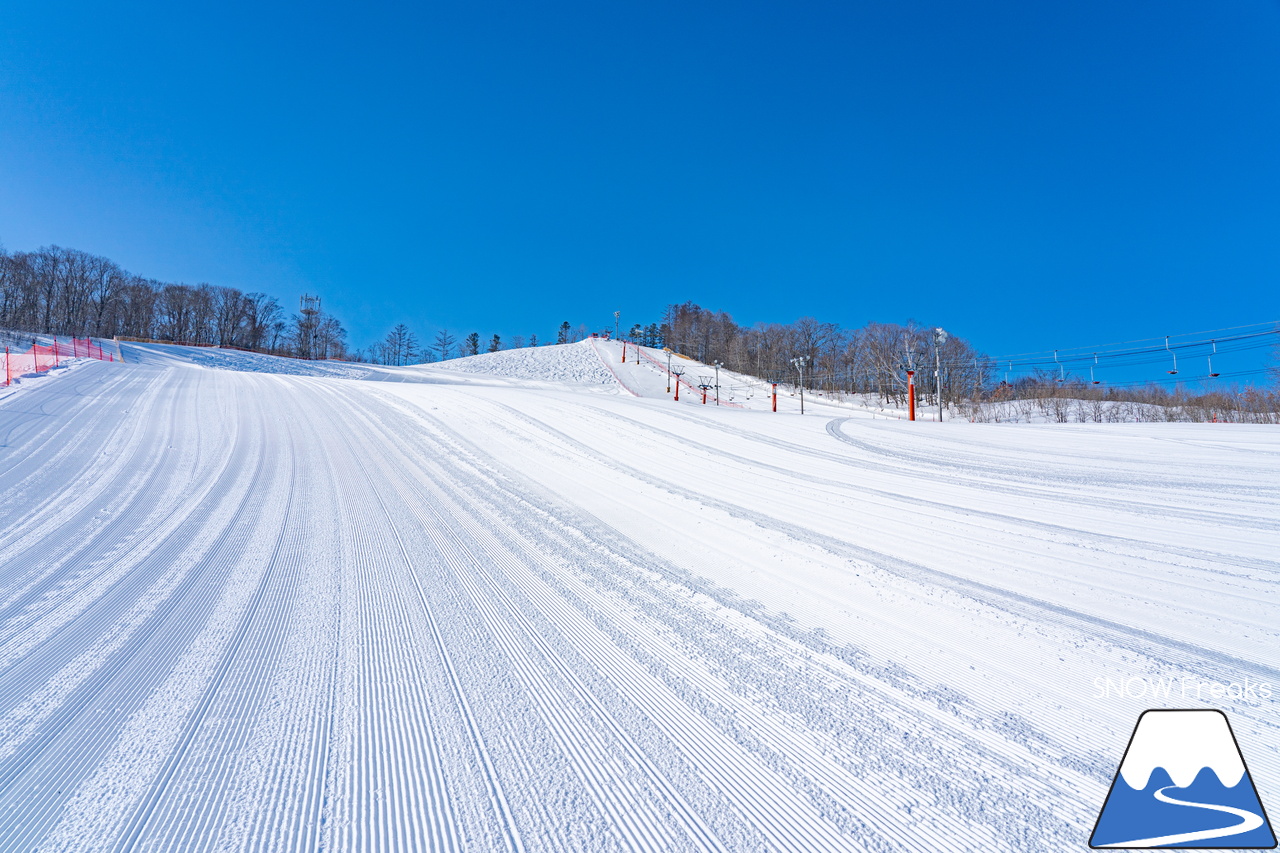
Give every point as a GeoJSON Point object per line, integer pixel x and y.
{"type": "Point", "coordinates": [1183, 783]}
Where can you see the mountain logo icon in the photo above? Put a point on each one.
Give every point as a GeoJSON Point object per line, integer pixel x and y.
{"type": "Point", "coordinates": [1183, 783]}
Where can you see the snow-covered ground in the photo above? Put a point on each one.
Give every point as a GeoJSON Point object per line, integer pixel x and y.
{"type": "Point", "coordinates": [526, 602]}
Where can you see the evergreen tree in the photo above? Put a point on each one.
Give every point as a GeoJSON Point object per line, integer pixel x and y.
{"type": "Point", "coordinates": [533, 340]}
{"type": "Point", "coordinates": [472, 344]}
{"type": "Point", "coordinates": [563, 337]}
{"type": "Point", "coordinates": [399, 347]}
{"type": "Point", "coordinates": [444, 343]}
{"type": "Point", "coordinates": [495, 344]}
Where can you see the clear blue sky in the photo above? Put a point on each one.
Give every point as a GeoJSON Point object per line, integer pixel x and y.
{"type": "Point", "coordinates": [1029, 174]}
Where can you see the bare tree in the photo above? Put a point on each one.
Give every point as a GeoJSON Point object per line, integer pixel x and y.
{"type": "Point", "coordinates": [262, 314]}
{"type": "Point", "coordinates": [231, 313]}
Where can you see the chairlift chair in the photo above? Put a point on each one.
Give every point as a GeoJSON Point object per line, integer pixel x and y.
{"type": "Point", "coordinates": [1172, 353]}
{"type": "Point", "coordinates": [1095, 363]}
{"type": "Point", "coordinates": [1215, 352]}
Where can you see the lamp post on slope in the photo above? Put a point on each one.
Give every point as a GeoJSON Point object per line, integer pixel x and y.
{"type": "Point", "coordinates": [799, 363]}
{"type": "Point", "coordinates": [939, 338]}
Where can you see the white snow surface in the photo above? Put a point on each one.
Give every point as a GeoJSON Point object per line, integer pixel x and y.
{"type": "Point", "coordinates": [251, 604]}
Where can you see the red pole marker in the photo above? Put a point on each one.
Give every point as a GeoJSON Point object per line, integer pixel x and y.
{"type": "Point", "coordinates": [7, 377]}
{"type": "Point", "coordinates": [704, 396]}
{"type": "Point", "coordinates": [911, 394]}
{"type": "Point", "coordinates": [775, 396]}
{"type": "Point", "coordinates": [55, 352]}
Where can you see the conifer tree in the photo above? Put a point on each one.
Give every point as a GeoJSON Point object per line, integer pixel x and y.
{"type": "Point", "coordinates": [444, 343]}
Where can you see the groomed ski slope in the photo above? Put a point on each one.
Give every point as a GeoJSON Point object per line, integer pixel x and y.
{"type": "Point", "coordinates": [490, 608]}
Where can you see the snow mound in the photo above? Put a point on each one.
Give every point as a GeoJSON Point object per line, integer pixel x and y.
{"type": "Point", "coordinates": [575, 364]}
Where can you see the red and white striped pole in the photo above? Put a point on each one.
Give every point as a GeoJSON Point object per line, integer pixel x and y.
{"type": "Point", "coordinates": [7, 376]}
{"type": "Point", "coordinates": [911, 395]}
{"type": "Point", "coordinates": [775, 396]}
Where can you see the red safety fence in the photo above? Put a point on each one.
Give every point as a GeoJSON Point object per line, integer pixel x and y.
{"type": "Point", "coordinates": [41, 358]}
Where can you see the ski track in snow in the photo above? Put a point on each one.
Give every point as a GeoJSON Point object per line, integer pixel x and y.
{"type": "Point", "coordinates": [271, 608]}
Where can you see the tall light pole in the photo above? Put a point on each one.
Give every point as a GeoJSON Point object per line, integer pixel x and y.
{"type": "Point", "coordinates": [717, 365]}
{"type": "Point", "coordinates": [616, 331]}
{"type": "Point", "coordinates": [939, 338]}
{"type": "Point", "coordinates": [799, 363]}
{"type": "Point", "coordinates": [668, 370]}
{"type": "Point", "coordinates": [309, 307]}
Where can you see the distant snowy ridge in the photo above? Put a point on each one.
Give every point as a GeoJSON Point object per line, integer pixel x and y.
{"type": "Point", "coordinates": [576, 364]}
{"type": "Point", "coordinates": [1183, 743]}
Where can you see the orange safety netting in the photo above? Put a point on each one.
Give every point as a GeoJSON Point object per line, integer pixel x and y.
{"type": "Point", "coordinates": [41, 358]}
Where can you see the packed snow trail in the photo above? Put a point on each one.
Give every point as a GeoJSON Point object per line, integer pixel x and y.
{"type": "Point", "coordinates": [244, 611]}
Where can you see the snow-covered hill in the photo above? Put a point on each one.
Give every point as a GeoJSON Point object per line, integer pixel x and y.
{"type": "Point", "coordinates": [527, 602]}
{"type": "Point", "coordinates": [574, 364]}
